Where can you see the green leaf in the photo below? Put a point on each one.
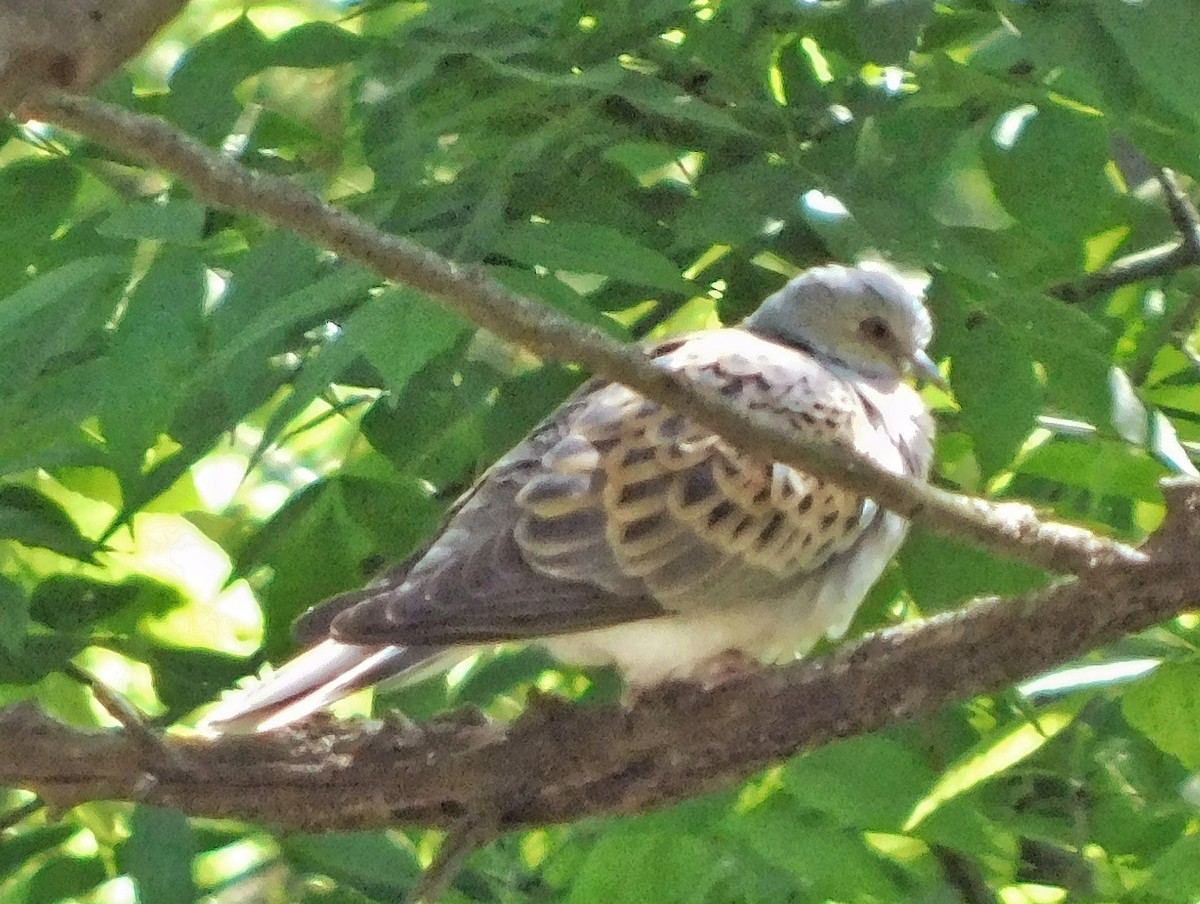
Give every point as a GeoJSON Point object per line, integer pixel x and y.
{"type": "Point", "coordinates": [14, 616]}
{"type": "Point", "coordinates": [631, 866]}
{"type": "Point", "coordinates": [201, 100]}
{"type": "Point", "coordinates": [318, 372]}
{"type": "Point", "coordinates": [870, 782]}
{"type": "Point", "coordinates": [1175, 876]}
{"type": "Point", "coordinates": [305, 307]}
{"type": "Point", "coordinates": [178, 221]}
{"type": "Point", "coordinates": [315, 45]}
{"type": "Point", "coordinates": [991, 756]}
{"type": "Point", "coordinates": [656, 96]}
{"type": "Point", "coordinates": [1165, 707]}
{"type": "Point", "coordinates": [400, 331]}
{"type": "Point", "coordinates": [71, 602]}
{"type": "Point", "coordinates": [1104, 467]}
{"type": "Point", "coordinates": [156, 344]}
{"type": "Point", "coordinates": [59, 285]}
{"type": "Point", "coordinates": [186, 677]}
{"type": "Point", "coordinates": [18, 850]}
{"type": "Point", "coordinates": [158, 855]}
{"type": "Point", "coordinates": [40, 655]}
{"type": "Point", "coordinates": [940, 572]}
{"type": "Point", "coordinates": [827, 861]}
{"type": "Point", "coordinates": [314, 548]}
{"type": "Point", "coordinates": [53, 183]}
{"type": "Point", "coordinates": [369, 861]}
{"type": "Point", "coordinates": [1062, 197]}
{"type": "Point", "coordinates": [65, 877]}
{"type": "Point", "coordinates": [994, 382]}
{"type": "Point", "coordinates": [1158, 41]}
{"type": "Point", "coordinates": [586, 248]}
{"type": "Point", "coordinates": [557, 294]}
{"type": "Point", "coordinates": [36, 520]}
{"type": "Point", "coordinates": [642, 159]}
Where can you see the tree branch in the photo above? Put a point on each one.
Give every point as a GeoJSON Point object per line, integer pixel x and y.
{"type": "Point", "coordinates": [71, 43]}
{"type": "Point", "coordinates": [1011, 529]}
{"type": "Point", "coordinates": [565, 763]}
{"type": "Point", "coordinates": [1162, 260]}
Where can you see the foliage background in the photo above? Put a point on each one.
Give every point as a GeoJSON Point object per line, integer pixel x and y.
{"type": "Point", "coordinates": [208, 425]}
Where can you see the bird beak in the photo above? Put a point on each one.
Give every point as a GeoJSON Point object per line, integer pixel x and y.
{"type": "Point", "coordinates": [926, 368]}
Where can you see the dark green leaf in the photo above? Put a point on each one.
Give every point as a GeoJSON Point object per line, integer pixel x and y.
{"type": "Point", "coordinates": [368, 861]}
{"type": "Point", "coordinates": [65, 877]}
{"type": "Point", "coordinates": [156, 344]}
{"type": "Point", "coordinates": [1000, 396]}
{"type": "Point", "coordinates": [826, 861]}
{"type": "Point", "coordinates": [201, 101]}
{"type": "Point", "coordinates": [36, 520]}
{"type": "Point", "coordinates": [317, 44]}
{"type": "Point", "coordinates": [51, 185]}
{"type": "Point", "coordinates": [68, 602]}
{"type": "Point", "coordinates": [1176, 874]}
{"type": "Point", "coordinates": [18, 850]}
{"type": "Point", "coordinates": [586, 248]}
{"type": "Point", "coordinates": [1060, 196]}
{"type": "Point", "coordinates": [180, 222]}
{"type": "Point", "coordinates": [941, 572]}
{"type": "Point", "coordinates": [40, 655]}
{"type": "Point", "coordinates": [400, 332]}
{"type": "Point", "coordinates": [158, 856]}
{"type": "Point", "coordinates": [14, 616]}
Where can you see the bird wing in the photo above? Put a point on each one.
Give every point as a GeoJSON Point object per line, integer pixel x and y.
{"type": "Point", "coordinates": [617, 509]}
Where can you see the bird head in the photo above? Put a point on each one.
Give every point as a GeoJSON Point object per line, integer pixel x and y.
{"type": "Point", "coordinates": [864, 319]}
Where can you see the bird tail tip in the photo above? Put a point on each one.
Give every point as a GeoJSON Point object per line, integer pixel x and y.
{"type": "Point", "coordinates": [316, 678]}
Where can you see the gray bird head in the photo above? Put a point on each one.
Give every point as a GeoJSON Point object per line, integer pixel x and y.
{"type": "Point", "coordinates": [865, 319]}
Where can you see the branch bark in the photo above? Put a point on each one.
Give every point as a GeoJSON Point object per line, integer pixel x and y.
{"type": "Point", "coordinates": [560, 763]}
{"type": "Point", "coordinates": [71, 43]}
{"type": "Point", "coordinates": [1011, 529]}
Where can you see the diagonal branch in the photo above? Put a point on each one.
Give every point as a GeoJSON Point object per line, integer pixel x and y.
{"type": "Point", "coordinates": [1010, 529]}
{"type": "Point", "coordinates": [563, 763]}
{"type": "Point", "coordinates": [1183, 213]}
{"type": "Point", "coordinates": [1161, 260]}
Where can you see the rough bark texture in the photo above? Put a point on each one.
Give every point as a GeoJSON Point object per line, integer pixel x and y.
{"type": "Point", "coordinates": [561, 763]}
{"type": "Point", "coordinates": [71, 43]}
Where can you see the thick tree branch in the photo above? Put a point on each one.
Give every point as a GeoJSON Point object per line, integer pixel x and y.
{"type": "Point", "coordinates": [1011, 529]}
{"type": "Point", "coordinates": [563, 763]}
{"type": "Point", "coordinates": [71, 43]}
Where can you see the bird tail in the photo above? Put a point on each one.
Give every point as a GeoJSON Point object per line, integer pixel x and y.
{"type": "Point", "coordinates": [316, 678]}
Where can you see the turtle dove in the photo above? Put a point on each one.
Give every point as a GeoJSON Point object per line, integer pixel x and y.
{"type": "Point", "coordinates": [619, 532]}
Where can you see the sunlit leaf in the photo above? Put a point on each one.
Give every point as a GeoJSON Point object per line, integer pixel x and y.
{"type": "Point", "coordinates": [1166, 708]}
{"type": "Point", "coordinates": [992, 756]}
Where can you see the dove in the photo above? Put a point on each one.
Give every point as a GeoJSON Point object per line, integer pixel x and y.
{"type": "Point", "coordinates": [620, 533]}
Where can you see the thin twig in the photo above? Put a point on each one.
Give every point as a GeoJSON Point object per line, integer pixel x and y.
{"type": "Point", "coordinates": [1010, 529]}
{"type": "Point", "coordinates": [127, 715]}
{"type": "Point", "coordinates": [460, 842]}
{"type": "Point", "coordinates": [1187, 222]}
{"type": "Point", "coordinates": [1161, 260]}
{"type": "Point", "coordinates": [1179, 320]}
{"type": "Point", "coordinates": [19, 814]}
{"type": "Point", "coordinates": [1183, 213]}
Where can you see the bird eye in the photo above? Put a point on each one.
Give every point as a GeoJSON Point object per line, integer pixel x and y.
{"type": "Point", "coordinates": [875, 330]}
